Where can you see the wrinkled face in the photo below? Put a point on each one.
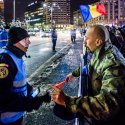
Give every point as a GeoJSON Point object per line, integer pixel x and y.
{"type": "Point", "coordinates": [91, 40]}
{"type": "Point", "coordinates": [23, 44]}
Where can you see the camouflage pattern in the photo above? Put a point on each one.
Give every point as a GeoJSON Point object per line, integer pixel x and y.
{"type": "Point", "coordinates": [106, 103]}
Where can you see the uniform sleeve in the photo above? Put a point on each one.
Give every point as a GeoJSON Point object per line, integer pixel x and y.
{"type": "Point", "coordinates": [7, 73]}
{"type": "Point", "coordinates": [76, 73]}
{"type": "Point", "coordinates": [110, 99]}
{"type": "Point", "coordinates": [4, 36]}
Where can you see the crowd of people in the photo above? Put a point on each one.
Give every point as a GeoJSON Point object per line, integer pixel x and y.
{"type": "Point", "coordinates": [117, 36]}
{"type": "Point", "coordinates": [105, 102]}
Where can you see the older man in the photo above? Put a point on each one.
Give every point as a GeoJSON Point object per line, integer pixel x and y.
{"type": "Point", "coordinates": [15, 93]}
{"type": "Point", "coordinates": [105, 103]}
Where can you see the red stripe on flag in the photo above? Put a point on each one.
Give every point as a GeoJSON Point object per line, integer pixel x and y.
{"type": "Point", "coordinates": [101, 9]}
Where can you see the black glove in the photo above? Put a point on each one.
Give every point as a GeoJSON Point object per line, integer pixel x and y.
{"type": "Point", "coordinates": [38, 100]}
{"type": "Point", "coordinates": [46, 97]}
{"type": "Point", "coordinates": [29, 90]}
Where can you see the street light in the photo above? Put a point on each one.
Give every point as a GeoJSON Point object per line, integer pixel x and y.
{"type": "Point", "coordinates": [27, 19]}
{"type": "Point", "coordinates": [13, 10]}
{"type": "Point", "coordinates": [51, 8]}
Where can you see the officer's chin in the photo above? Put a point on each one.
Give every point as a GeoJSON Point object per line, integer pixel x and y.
{"type": "Point", "coordinates": [26, 48]}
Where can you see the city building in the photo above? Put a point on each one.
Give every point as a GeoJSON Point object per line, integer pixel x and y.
{"type": "Point", "coordinates": [51, 13]}
{"type": "Point", "coordinates": [1, 8]}
{"type": "Point", "coordinates": [115, 13]}
{"type": "Point", "coordinates": [61, 12]}
{"type": "Point", "coordinates": [77, 19]}
{"type": "Point", "coordinates": [1, 12]}
{"type": "Point", "coordinates": [1, 5]}
{"type": "Point", "coordinates": [35, 14]}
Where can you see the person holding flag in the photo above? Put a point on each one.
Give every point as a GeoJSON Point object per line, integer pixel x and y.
{"type": "Point", "coordinates": [105, 102]}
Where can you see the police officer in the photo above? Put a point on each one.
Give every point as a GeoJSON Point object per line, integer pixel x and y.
{"type": "Point", "coordinates": [105, 102]}
{"type": "Point", "coordinates": [54, 39]}
{"type": "Point", "coordinates": [73, 35]}
{"type": "Point", "coordinates": [4, 36]}
{"type": "Point", "coordinates": [15, 93]}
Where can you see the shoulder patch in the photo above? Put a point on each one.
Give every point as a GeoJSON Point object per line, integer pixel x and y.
{"type": "Point", "coordinates": [3, 64]}
{"type": "Point", "coordinates": [3, 72]}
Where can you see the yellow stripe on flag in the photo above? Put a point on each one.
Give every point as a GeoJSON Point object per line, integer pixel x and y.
{"type": "Point", "coordinates": [94, 12]}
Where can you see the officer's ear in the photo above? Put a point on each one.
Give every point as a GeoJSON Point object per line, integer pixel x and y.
{"type": "Point", "coordinates": [98, 42]}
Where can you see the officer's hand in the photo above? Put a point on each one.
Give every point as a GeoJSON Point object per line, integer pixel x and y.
{"type": "Point", "coordinates": [69, 77]}
{"type": "Point", "coordinates": [38, 100]}
{"type": "Point", "coordinates": [46, 97]}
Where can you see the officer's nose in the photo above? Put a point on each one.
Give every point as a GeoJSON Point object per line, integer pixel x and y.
{"type": "Point", "coordinates": [28, 42]}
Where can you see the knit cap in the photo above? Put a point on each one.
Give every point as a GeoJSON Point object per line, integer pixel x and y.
{"type": "Point", "coordinates": [16, 34]}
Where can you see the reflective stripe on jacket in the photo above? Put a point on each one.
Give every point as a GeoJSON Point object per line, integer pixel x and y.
{"type": "Point", "coordinates": [19, 88]}
{"type": "Point", "coordinates": [3, 38]}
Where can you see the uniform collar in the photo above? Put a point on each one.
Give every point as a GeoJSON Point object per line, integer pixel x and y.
{"type": "Point", "coordinates": [19, 53]}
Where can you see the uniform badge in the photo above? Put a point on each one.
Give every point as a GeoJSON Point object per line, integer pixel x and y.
{"type": "Point", "coordinates": [3, 71]}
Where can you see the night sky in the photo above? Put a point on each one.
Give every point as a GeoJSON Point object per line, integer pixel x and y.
{"type": "Point", "coordinates": [76, 3]}
{"type": "Point", "coordinates": [20, 9]}
{"type": "Point", "coordinates": [22, 4]}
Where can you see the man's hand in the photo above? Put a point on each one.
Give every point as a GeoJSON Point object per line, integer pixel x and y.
{"type": "Point", "coordinates": [58, 96]}
{"type": "Point", "coordinates": [69, 77]}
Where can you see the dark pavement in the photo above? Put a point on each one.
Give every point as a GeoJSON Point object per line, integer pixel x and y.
{"type": "Point", "coordinates": [54, 71]}
{"type": "Point", "coordinates": [40, 51]}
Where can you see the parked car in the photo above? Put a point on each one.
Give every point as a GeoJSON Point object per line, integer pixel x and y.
{"type": "Point", "coordinates": [32, 32]}
{"type": "Point", "coordinates": [45, 34]}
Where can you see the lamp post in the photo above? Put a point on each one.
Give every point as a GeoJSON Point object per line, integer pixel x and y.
{"type": "Point", "coordinates": [27, 19]}
{"type": "Point", "coordinates": [51, 14]}
{"type": "Point", "coordinates": [51, 8]}
{"type": "Point", "coordinates": [13, 10]}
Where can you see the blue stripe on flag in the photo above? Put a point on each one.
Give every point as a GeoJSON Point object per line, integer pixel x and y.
{"type": "Point", "coordinates": [85, 12]}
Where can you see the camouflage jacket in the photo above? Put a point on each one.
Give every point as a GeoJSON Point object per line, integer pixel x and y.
{"type": "Point", "coordinates": [107, 80]}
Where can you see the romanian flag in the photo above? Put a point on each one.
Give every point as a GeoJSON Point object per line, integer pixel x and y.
{"type": "Point", "coordinates": [91, 11]}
